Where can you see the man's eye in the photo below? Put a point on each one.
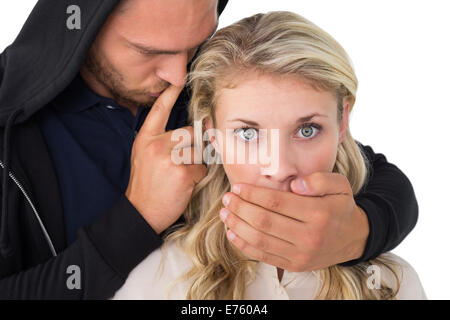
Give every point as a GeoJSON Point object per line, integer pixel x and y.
{"type": "Point", "coordinates": [246, 134]}
{"type": "Point", "coordinates": [308, 131]}
{"type": "Point", "coordinates": [146, 53]}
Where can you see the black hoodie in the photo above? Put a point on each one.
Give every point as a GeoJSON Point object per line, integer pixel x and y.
{"type": "Point", "coordinates": [34, 260]}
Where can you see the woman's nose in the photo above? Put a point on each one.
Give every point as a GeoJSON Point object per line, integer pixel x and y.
{"type": "Point", "coordinates": [281, 180]}
{"type": "Point", "coordinates": [282, 174]}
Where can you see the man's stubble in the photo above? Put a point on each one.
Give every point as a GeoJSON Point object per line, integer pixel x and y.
{"type": "Point", "coordinates": [112, 80]}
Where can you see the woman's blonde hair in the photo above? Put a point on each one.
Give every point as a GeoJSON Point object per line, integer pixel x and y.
{"type": "Point", "coordinates": [280, 44]}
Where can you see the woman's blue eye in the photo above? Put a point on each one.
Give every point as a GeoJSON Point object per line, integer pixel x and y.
{"type": "Point", "coordinates": [309, 130]}
{"type": "Point", "coordinates": [247, 134]}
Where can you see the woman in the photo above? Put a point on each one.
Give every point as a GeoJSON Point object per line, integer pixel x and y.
{"type": "Point", "coordinates": [272, 75]}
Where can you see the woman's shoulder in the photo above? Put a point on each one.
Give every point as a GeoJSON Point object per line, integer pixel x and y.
{"type": "Point", "coordinates": [410, 285]}
{"type": "Point", "coordinates": [151, 277]}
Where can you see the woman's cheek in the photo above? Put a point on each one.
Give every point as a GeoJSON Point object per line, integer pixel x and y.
{"type": "Point", "coordinates": [316, 158]}
{"type": "Point", "coordinates": [325, 157]}
{"type": "Point", "coordinates": [242, 173]}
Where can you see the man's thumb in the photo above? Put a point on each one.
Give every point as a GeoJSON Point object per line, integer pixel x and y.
{"type": "Point", "coordinates": [299, 186]}
{"type": "Point", "coordinates": [319, 184]}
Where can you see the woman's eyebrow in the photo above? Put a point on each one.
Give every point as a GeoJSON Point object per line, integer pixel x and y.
{"type": "Point", "coordinates": [299, 120]}
{"type": "Point", "coordinates": [252, 123]}
{"type": "Point", "coordinates": [308, 118]}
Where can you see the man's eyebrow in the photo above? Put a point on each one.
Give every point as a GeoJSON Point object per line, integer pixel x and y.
{"type": "Point", "coordinates": [299, 120]}
{"type": "Point", "coordinates": [150, 50]}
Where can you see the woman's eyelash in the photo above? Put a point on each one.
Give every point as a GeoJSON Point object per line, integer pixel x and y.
{"type": "Point", "coordinates": [311, 124]}
{"type": "Point", "coordinates": [245, 128]}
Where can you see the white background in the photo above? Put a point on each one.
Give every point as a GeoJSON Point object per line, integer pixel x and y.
{"type": "Point", "coordinates": [400, 50]}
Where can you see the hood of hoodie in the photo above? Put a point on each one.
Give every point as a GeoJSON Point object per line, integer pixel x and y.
{"type": "Point", "coordinates": [46, 55]}
{"type": "Point", "coordinates": [40, 64]}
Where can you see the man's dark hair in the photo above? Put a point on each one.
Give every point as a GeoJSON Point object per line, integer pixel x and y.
{"type": "Point", "coordinates": [121, 7]}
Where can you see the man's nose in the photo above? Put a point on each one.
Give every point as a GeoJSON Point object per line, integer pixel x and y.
{"type": "Point", "coordinates": [174, 69]}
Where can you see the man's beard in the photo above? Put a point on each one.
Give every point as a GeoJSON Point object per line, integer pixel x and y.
{"type": "Point", "coordinates": [113, 81]}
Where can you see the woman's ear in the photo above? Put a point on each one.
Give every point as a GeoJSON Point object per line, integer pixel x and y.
{"type": "Point", "coordinates": [344, 122]}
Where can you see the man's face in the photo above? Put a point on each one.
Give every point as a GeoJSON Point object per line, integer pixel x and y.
{"type": "Point", "coordinates": [141, 51]}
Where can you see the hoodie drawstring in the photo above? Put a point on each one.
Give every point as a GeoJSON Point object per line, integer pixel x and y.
{"type": "Point", "coordinates": [5, 248]}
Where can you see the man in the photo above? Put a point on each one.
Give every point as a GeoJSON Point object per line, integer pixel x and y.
{"type": "Point", "coordinates": [89, 192]}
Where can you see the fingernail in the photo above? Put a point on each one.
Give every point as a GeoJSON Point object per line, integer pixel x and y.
{"type": "Point", "coordinates": [223, 214]}
{"type": "Point", "coordinates": [231, 235]}
{"type": "Point", "coordinates": [236, 189]}
{"type": "Point", "coordinates": [226, 199]}
{"type": "Point", "coordinates": [300, 185]}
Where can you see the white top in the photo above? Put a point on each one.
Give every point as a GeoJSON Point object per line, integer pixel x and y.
{"type": "Point", "coordinates": [148, 281]}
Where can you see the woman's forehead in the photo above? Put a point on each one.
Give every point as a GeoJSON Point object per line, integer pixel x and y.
{"type": "Point", "coordinates": [274, 97]}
